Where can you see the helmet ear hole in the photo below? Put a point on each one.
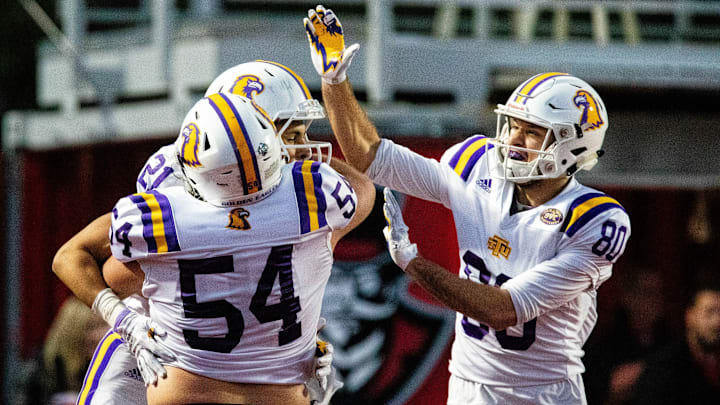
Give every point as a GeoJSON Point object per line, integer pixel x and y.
{"type": "Point", "coordinates": [207, 142]}
{"type": "Point", "coordinates": [261, 122]}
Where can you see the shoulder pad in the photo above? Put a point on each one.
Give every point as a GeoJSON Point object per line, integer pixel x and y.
{"type": "Point", "coordinates": [314, 182]}
{"type": "Point", "coordinates": [159, 171]}
{"type": "Point", "coordinates": [466, 156]}
{"type": "Point", "coordinates": [143, 225]}
{"type": "Point", "coordinates": [586, 207]}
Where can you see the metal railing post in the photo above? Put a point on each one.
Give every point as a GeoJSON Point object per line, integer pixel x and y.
{"type": "Point", "coordinates": [378, 32]}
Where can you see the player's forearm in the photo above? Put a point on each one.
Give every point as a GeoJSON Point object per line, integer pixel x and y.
{"type": "Point", "coordinates": [489, 305]}
{"type": "Point", "coordinates": [77, 262]}
{"type": "Point", "coordinates": [357, 136]}
{"type": "Point", "coordinates": [125, 279]}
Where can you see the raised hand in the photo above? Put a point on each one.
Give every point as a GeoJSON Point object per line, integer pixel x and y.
{"type": "Point", "coordinates": [327, 45]}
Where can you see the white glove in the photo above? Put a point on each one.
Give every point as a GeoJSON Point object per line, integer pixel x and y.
{"type": "Point", "coordinates": [326, 380]}
{"type": "Point", "coordinates": [327, 45]}
{"type": "Point", "coordinates": [322, 396]}
{"type": "Point", "coordinates": [323, 356]}
{"type": "Point", "coordinates": [139, 332]}
{"type": "Point", "coordinates": [396, 232]}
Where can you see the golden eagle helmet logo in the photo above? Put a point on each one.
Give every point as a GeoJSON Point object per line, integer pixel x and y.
{"type": "Point", "coordinates": [189, 150]}
{"type": "Point", "coordinates": [248, 86]}
{"type": "Point", "coordinates": [590, 118]}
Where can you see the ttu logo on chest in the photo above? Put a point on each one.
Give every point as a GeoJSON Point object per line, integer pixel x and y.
{"type": "Point", "coordinates": [551, 216]}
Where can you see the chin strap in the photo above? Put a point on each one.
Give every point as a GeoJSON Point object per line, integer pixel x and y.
{"type": "Point", "coordinates": [586, 163]}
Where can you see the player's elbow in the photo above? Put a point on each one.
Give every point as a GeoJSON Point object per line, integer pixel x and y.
{"type": "Point", "coordinates": [502, 320]}
{"type": "Point", "coordinates": [365, 190]}
{"type": "Point", "coordinates": [501, 313]}
{"type": "Point", "coordinates": [363, 153]}
{"type": "Point", "coordinates": [60, 260]}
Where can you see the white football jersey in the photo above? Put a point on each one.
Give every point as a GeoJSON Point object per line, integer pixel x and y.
{"type": "Point", "coordinates": [238, 289]}
{"type": "Point", "coordinates": [112, 376]}
{"type": "Point", "coordinates": [551, 258]}
{"type": "Point", "coordinates": [161, 170]}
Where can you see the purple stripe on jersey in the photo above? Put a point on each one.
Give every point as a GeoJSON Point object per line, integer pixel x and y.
{"type": "Point", "coordinates": [104, 360]}
{"type": "Point", "coordinates": [247, 139]}
{"type": "Point", "coordinates": [319, 195]}
{"type": "Point", "coordinates": [456, 157]}
{"type": "Point", "coordinates": [146, 220]}
{"type": "Point", "coordinates": [168, 221]}
{"type": "Point", "coordinates": [581, 200]}
{"type": "Point", "coordinates": [589, 215]}
{"type": "Point", "coordinates": [473, 160]}
{"type": "Point", "coordinates": [232, 142]}
{"type": "Point", "coordinates": [300, 197]}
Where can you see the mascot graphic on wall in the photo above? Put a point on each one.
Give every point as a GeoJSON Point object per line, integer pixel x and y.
{"type": "Point", "coordinates": [386, 341]}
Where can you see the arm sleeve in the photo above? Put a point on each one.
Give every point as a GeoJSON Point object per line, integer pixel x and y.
{"type": "Point", "coordinates": [142, 225]}
{"type": "Point", "coordinates": [340, 196]}
{"type": "Point", "coordinates": [401, 169]}
{"type": "Point", "coordinates": [160, 170]}
{"type": "Point", "coordinates": [581, 264]}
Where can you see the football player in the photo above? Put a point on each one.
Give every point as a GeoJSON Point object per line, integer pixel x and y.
{"type": "Point", "coordinates": [234, 287]}
{"type": "Point", "coordinates": [115, 375]}
{"type": "Point", "coordinates": [535, 244]}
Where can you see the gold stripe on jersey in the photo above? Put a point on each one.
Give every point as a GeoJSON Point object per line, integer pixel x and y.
{"type": "Point", "coordinates": [158, 223]}
{"type": "Point", "coordinates": [97, 366]}
{"type": "Point", "coordinates": [467, 154]}
{"type": "Point", "coordinates": [585, 208]}
{"type": "Point", "coordinates": [310, 195]}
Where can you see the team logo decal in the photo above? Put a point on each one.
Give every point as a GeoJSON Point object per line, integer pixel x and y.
{"type": "Point", "coordinates": [551, 216]}
{"type": "Point", "coordinates": [369, 308]}
{"type": "Point", "coordinates": [239, 219]}
{"type": "Point", "coordinates": [189, 150]}
{"type": "Point", "coordinates": [499, 246]}
{"type": "Point", "coordinates": [248, 86]}
{"type": "Point", "coordinates": [590, 118]}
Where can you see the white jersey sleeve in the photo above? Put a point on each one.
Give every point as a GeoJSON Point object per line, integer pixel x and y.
{"type": "Point", "coordinates": [408, 172]}
{"type": "Point", "coordinates": [142, 225]}
{"type": "Point", "coordinates": [160, 170]}
{"type": "Point", "coordinates": [595, 234]}
{"type": "Point", "coordinates": [324, 197]}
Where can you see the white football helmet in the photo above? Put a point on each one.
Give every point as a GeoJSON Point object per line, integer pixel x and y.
{"type": "Point", "coordinates": [229, 151]}
{"type": "Point", "coordinates": [280, 92]}
{"type": "Point", "coordinates": [576, 122]}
